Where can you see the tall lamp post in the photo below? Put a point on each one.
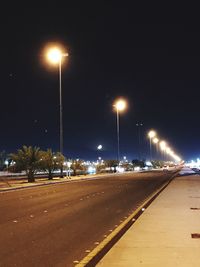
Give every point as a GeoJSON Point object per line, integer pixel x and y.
{"type": "Point", "coordinates": [156, 142]}
{"type": "Point", "coordinates": [163, 146]}
{"type": "Point", "coordinates": [55, 56]}
{"type": "Point", "coordinates": [99, 148]}
{"type": "Point", "coordinates": [120, 105]}
{"type": "Point", "coordinates": [151, 134]}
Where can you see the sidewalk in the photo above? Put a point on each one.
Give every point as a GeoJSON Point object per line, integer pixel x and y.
{"type": "Point", "coordinates": [162, 235]}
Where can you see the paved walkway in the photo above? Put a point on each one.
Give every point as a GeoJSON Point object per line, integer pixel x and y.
{"type": "Point", "coordinates": [162, 236]}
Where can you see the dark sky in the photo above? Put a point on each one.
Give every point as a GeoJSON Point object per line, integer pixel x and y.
{"type": "Point", "coordinates": [155, 66]}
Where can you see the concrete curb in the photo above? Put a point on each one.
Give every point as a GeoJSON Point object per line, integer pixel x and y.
{"type": "Point", "coordinates": [97, 253]}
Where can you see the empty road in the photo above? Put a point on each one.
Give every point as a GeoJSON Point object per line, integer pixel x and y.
{"type": "Point", "coordinates": [57, 225]}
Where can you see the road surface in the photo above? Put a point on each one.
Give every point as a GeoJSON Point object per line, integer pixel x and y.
{"type": "Point", "coordinates": [57, 225]}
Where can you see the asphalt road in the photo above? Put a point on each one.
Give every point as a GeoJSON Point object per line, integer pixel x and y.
{"type": "Point", "coordinates": [59, 224]}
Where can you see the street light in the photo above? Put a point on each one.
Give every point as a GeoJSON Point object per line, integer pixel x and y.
{"type": "Point", "coordinates": [163, 146]}
{"type": "Point", "coordinates": [54, 56]}
{"type": "Point", "coordinates": [151, 134]}
{"type": "Point", "coordinates": [120, 105]}
{"type": "Point", "coordinates": [99, 147]}
{"type": "Point", "coordinates": [156, 141]}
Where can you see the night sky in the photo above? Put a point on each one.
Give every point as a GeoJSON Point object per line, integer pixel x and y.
{"type": "Point", "coordinates": [155, 66]}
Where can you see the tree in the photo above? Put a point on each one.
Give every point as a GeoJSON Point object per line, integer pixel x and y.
{"type": "Point", "coordinates": [157, 163]}
{"type": "Point", "coordinates": [2, 160]}
{"type": "Point", "coordinates": [111, 163]}
{"type": "Point", "coordinates": [138, 163]}
{"type": "Point", "coordinates": [77, 165]}
{"type": "Point", "coordinates": [100, 167]}
{"type": "Point", "coordinates": [27, 159]}
{"type": "Point", "coordinates": [60, 159]}
{"type": "Point", "coordinates": [48, 162]}
{"type": "Point", "coordinates": [127, 166]}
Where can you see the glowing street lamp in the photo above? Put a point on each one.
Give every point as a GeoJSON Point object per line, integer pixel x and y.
{"type": "Point", "coordinates": [99, 147]}
{"type": "Point", "coordinates": [55, 56]}
{"type": "Point", "coordinates": [151, 134]}
{"type": "Point", "coordinates": [120, 105]}
{"type": "Point", "coordinates": [156, 142]}
{"type": "Point", "coordinates": [163, 145]}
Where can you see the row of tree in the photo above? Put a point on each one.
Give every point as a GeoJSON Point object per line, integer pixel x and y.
{"type": "Point", "coordinates": [32, 159]}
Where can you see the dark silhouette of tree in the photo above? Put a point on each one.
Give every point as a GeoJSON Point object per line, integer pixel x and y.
{"type": "Point", "coordinates": [27, 159]}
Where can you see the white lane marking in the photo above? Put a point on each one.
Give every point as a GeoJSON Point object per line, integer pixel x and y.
{"type": "Point", "coordinates": [96, 243]}
{"type": "Point", "coordinates": [75, 261]}
{"type": "Point", "coordinates": [110, 230]}
{"type": "Point", "coordinates": [125, 217]}
{"type": "Point", "coordinates": [116, 225]}
{"type": "Point", "coordinates": [31, 215]}
{"type": "Point", "coordinates": [45, 211]}
{"type": "Point", "coordinates": [87, 251]}
{"type": "Point", "coordinates": [15, 221]}
{"type": "Point", "coordinates": [105, 236]}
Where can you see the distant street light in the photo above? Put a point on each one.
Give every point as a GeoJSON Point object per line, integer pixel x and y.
{"type": "Point", "coordinates": [151, 134]}
{"type": "Point", "coordinates": [54, 56]}
{"type": "Point", "coordinates": [156, 142]}
{"type": "Point", "coordinates": [99, 147]}
{"type": "Point", "coordinates": [163, 146]}
{"type": "Point", "coordinates": [120, 105]}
